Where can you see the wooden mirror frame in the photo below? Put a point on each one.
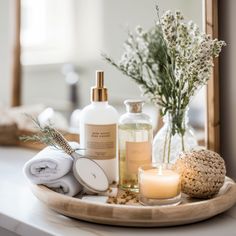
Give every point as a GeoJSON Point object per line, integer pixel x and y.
{"type": "Point", "coordinates": [210, 26]}
{"type": "Point", "coordinates": [213, 98]}
{"type": "Point", "coordinates": [16, 83]}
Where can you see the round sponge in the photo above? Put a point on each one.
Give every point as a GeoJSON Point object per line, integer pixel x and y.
{"type": "Point", "coordinates": [202, 171]}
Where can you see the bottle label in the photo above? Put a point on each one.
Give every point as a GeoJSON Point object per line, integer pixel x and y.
{"type": "Point", "coordinates": [137, 154]}
{"type": "Point", "coordinates": [100, 141]}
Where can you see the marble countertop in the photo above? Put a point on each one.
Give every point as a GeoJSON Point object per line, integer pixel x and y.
{"type": "Point", "coordinates": [21, 212]}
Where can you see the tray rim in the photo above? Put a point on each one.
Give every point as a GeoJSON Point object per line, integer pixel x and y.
{"type": "Point", "coordinates": [46, 195]}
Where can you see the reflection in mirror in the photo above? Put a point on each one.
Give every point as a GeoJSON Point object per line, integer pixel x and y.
{"type": "Point", "coordinates": [62, 42]}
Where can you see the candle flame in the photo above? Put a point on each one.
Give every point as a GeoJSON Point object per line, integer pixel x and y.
{"type": "Point", "coordinates": [160, 170]}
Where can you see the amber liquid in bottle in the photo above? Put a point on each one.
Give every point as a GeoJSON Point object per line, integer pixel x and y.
{"type": "Point", "coordinates": [135, 140]}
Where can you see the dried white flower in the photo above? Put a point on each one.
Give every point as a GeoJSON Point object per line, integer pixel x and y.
{"type": "Point", "coordinates": [170, 62]}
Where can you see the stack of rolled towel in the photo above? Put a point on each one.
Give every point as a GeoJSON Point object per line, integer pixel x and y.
{"type": "Point", "coordinates": [53, 168]}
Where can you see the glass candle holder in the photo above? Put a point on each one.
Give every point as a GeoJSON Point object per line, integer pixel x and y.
{"type": "Point", "coordinates": [159, 185]}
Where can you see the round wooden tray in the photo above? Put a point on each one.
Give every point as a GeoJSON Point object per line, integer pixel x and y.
{"type": "Point", "coordinates": [189, 211]}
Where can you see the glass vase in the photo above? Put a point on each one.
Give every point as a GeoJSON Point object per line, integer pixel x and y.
{"type": "Point", "coordinates": [174, 137]}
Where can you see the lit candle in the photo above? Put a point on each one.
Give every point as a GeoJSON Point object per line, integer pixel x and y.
{"type": "Point", "coordinates": [159, 183]}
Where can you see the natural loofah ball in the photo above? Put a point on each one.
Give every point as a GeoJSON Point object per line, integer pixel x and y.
{"type": "Point", "coordinates": [203, 173]}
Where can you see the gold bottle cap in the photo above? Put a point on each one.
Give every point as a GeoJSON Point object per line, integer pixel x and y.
{"type": "Point", "coordinates": [99, 92]}
{"type": "Point", "coordinates": [134, 105]}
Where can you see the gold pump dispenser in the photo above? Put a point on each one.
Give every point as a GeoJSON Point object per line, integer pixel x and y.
{"type": "Point", "coordinates": [99, 93]}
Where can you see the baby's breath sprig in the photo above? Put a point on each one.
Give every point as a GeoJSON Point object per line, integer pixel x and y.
{"type": "Point", "coordinates": [170, 62]}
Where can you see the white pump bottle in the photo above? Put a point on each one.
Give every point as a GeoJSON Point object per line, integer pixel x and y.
{"type": "Point", "coordinates": [98, 129]}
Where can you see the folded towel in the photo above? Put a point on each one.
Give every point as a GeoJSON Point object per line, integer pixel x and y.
{"type": "Point", "coordinates": [67, 185]}
{"type": "Point", "coordinates": [49, 164]}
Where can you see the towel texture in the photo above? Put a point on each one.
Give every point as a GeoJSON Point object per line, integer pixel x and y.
{"type": "Point", "coordinates": [49, 164]}
{"type": "Point", "coordinates": [67, 185]}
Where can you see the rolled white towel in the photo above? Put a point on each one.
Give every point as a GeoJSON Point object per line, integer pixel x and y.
{"type": "Point", "coordinates": [49, 164]}
{"type": "Point", "coordinates": [67, 185]}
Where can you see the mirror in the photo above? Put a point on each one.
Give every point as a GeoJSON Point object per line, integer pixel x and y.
{"type": "Point", "coordinates": [61, 46]}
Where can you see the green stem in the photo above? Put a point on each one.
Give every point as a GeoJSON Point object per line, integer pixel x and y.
{"type": "Point", "coordinates": [182, 141]}
{"type": "Point", "coordinates": [169, 147]}
{"type": "Point", "coordinates": [164, 151]}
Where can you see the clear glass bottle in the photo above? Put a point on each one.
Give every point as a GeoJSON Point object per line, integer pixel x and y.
{"type": "Point", "coordinates": [135, 144]}
{"type": "Point", "coordinates": [166, 146]}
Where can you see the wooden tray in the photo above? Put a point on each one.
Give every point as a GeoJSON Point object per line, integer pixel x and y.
{"type": "Point", "coordinates": [189, 211]}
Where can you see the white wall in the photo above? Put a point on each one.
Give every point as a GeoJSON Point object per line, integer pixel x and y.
{"type": "Point", "coordinates": [45, 84]}
{"type": "Point", "coordinates": [227, 20]}
{"type": "Point", "coordinates": [100, 26]}
{"type": "Point", "coordinates": [103, 26]}
{"type": "Point", "coordinates": [6, 20]}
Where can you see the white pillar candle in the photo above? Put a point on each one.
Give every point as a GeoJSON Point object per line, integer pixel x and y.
{"type": "Point", "coordinates": [159, 183]}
